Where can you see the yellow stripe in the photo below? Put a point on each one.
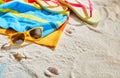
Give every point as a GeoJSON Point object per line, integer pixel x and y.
{"type": "Point", "coordinates": [32, 17]}
{"type": "Point", "coordinates": [8, 10]}
{"type": "Point", "coordinates": [28, 16]}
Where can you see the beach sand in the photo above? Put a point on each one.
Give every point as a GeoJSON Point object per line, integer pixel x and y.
{"type": "Point", "coordinates": [86, 52]}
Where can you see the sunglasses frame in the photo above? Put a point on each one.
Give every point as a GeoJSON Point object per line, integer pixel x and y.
{"type": "Point", "coordinates": [26, 34]}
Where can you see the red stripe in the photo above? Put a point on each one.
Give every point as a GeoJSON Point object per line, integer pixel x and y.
{"type": "Point", "coordinates": [82, 6]}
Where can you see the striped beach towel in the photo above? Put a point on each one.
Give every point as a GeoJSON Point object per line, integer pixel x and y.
{"type": "Point", "coordinates": [21, 17]}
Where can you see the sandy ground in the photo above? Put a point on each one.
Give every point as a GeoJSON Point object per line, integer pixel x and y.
{"type": "Point", "coordinates": [88, 52]}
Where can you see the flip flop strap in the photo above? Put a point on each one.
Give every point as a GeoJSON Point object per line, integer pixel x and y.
{"type": "Point", "coordinates": [82, 6]}
{"type": "Point", "coordinates": [90, 7]}
{"type": "Point", "coordinates": [56, 2]}
{"type": "Point", "coordinates": [50, 6]}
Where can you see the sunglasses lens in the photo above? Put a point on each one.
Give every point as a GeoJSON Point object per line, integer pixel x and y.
{"type": "Point", "coordinates": [18, 38]}
{"type": "Point", "coordinates": [36, 33]}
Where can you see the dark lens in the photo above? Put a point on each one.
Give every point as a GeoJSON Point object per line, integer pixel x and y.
{"type": "Point", "coordinates": [18, 38]}
{"type": "Point", "coordinates": [36, 33]}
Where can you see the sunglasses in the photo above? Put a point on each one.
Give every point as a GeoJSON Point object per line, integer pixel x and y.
{"type": "Point", "coordinates": [19, 38]}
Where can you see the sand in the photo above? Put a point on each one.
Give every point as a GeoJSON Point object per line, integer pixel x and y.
{"type": "Point", "coordinates": [87, 52]}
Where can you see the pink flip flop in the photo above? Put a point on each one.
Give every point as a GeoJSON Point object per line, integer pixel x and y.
{"type": "Point", "coordinates": [86, 13]}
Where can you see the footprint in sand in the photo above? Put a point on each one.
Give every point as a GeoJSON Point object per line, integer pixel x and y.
{"type": "Point", "coordinates": [70, 31]}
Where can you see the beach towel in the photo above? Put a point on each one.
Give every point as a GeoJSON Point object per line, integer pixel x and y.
{"type": "Point", "coordinates": [21, 16]}
{"type": "Point", "coordinates": [50, 40]}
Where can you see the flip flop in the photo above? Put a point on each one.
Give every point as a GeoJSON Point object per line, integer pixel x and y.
{"type": "Point", "coordinates": [86, 13]}
{"type": "Point", "coordinates": [52, 6]}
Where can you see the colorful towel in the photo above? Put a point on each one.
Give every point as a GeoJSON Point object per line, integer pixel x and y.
{"type": "Point", "coordinates": [51, 40]}
{"type": "Point", "coordinates": [21, 17]}
{"type": "Point", "coordinates": [13, 16]}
